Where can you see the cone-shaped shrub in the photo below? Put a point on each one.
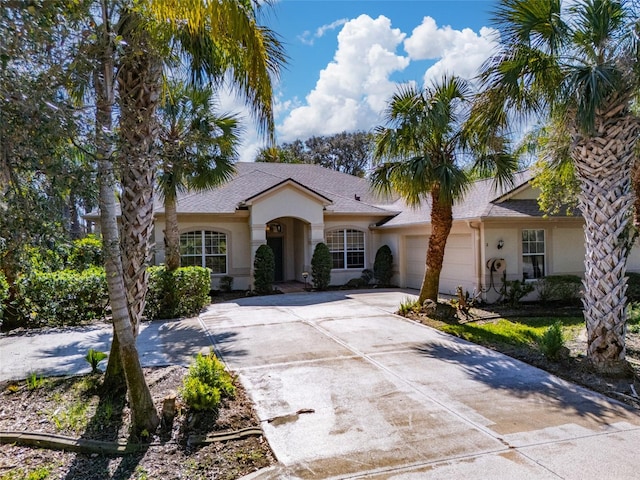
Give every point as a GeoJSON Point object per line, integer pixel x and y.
{"type": "Point", "coordinates": [321, 264]}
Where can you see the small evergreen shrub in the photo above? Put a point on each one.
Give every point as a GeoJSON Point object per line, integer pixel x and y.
{"type": "Point", "coordinates": [366, 276]}
{"type": "Point", "coordinates": [226, 283]}
{"type": "Point", "coordinates": [513, 291]}
{"type": "Point", "coordinates": [181, 293]}
{"type": "Point", "coordinates": [551, 341]}
{"type": "Point", "coordinates": [355, 283]}
{"type": "Point", "coordinates": [206, 384]}
{"type": "Point", "coordinates": [264, 268]}
{"type": "Point", "coordinates": [85, 253]}
{"type": "Point", "coordinates": [383, 265]}
{"type": "Point", "coordinates": [321, 264]}
{"type": "Point", "coordinates": [560, 288]}
{"type": "Point", "coordinates": [65, 297]}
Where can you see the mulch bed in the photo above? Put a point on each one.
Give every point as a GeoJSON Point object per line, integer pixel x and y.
{"type": "Point", "coordinates": [56, 407]}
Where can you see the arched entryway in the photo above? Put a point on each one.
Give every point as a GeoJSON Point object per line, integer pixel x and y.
{"type": "Point", "coordinates": [289, 238]}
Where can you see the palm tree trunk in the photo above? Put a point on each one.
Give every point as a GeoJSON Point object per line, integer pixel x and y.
{"type": "Point", "coordinates": [171, 234]}
{"type": "Point", "coordinates": [114, 379]}
{"type": "Point", "coordinates": [124, 354]}
{"type": "Point", "coordinates": [441, 221]}
{"type": "Point", "coordinates": [603, 163]}
{"type": "Point", "coordinates": [140, 89]}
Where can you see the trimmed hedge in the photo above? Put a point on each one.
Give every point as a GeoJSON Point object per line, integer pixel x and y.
{"type": "Point", "coordinates": [560, 288]}
{"type": "Point", "coordinates": [264, 268]}
{"type": "Point", "coordinates": [383, 265]}
{"type": "Point", "coordinates": [321, 264]}
{"type": "Point", "coordinates": [65, 297]}
{"type": "Point", "coordinates": [181, 293]}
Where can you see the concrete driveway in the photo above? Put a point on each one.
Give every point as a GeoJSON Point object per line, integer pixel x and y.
{"type": "Point", "coordinates": [346, 389]}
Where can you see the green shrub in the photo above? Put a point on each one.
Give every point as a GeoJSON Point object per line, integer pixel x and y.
{"type": "Point", "coordinates": [383, 265]}
{"type": "Point", "coordinates": [199, 396]}
{"type": "Point", "coordinates": [321, 264]}
{"type": "Point", "coordinates": [633, 317]}
{"type": "Point", "coordinates": [362, 281]}
{"type": "Point", "coordinates": [207, 383]}
{"type": "Point", "coordinates": [552, 341]}
{"type": "Point", "coordinates": [94, 357]}
{"type": "Point", "coordinates": [633, 287]}
{"type": "Point", "coordinates": [559, 288]}
{"type": "Point", "coordinates": [4, 293]}
{"type": "Point", "coordinates": [355, 283]}
{"type": "Point", "coordinates": [86, 253]}
{"type": "Point", "coordinates": [226, 283]}
{"type": "Point", "coordinates": [264, 267]}
{"type": "Point", "coordinates": [65, 297]}
{"type": "Point", "coordinates": [181, 293]}
{"type": "Point", "coordinates": [513, 291]}
{"type": "Point", "coordinates": [366, 276]}
{"type": "Point", "coordinates": [409, 305]}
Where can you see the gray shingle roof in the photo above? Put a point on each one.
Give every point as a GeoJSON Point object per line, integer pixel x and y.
{"type": "Point", "coordinates": [352, 195]}
{"type": "Point", "coordinates": [252, 179]}
{"type": "Point", "coordinates": [480, 201]}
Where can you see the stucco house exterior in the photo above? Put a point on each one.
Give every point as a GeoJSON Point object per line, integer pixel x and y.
{"type": "Point", "coordinates": [293, 207]}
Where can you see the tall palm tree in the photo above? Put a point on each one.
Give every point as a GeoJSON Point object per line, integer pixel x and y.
{"type": "Point", "coordinates": [197, 150]}
{"type": "Point", "coordinates": [579, 63]}
{"type": "Point", "coordinates": [127, 365]}
{"type": "Point", "coordinates": [216, 41]}
{"type": "Point", "coordinates": [423, 152]}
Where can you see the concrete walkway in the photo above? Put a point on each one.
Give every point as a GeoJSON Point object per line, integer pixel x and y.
{"type": "Point", "coordinates": [346, 389]}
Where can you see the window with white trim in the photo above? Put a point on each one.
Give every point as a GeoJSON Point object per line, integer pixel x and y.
{"type": "Point", "coordinates": [203, 248]}
{"type": "Point", "coordinates": [347, 248]}
{"type": "Point", "coordinates": [533, 254]}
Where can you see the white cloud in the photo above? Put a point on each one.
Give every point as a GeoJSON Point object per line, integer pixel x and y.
{"type": "Point", "coordinates": [459, 52]}
{"type": "Point", "coordinates": [308, 38]}
{"type": "Point", "coordinates": [353, 89]}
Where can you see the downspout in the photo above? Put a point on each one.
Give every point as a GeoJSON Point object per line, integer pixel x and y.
{"type": "Point", "coordinates": [478, 256]}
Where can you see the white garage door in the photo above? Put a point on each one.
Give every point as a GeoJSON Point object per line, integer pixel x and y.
{"type": "Point", "coordinates": [458, 263]}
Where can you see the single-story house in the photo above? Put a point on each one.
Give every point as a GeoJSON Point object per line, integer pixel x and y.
{"type": "Point", "coordinates": [293, 207]}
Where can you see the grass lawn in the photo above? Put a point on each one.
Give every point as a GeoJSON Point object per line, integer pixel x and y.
{"type": "Point", "coordinates": [516, 332]}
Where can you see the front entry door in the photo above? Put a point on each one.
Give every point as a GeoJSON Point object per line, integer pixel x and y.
{"type": "Point", "coordinates": [277, 245]}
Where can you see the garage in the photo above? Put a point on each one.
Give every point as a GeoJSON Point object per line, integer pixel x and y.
{"type": "Point", "coordinates": [458, 268]}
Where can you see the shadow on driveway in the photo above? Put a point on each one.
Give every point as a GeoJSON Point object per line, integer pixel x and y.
{"type": "Point", "coordinates": [503, 373]}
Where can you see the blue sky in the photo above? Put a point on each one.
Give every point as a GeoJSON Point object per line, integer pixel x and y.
{"type": "Point", "coordinates": [347, 57]}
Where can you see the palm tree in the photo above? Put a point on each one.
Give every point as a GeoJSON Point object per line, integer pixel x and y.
{"type": "Point", "coordinates": [124, 363]}
{"type": "Point", "coordinates": [197, 149]}
{"type": "Point", "coordinates": [421, 151]}
{"type": "Point", "coordinates": [580, 64]}
{"type": "Point", "coordinates": [218, 41]}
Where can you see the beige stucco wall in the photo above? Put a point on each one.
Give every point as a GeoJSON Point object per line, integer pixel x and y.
{"type": "Point", "coordinates": [339, 222]}
{"type": "Point", "coordinates": [238, 244]}
{"type": "Point", "coordinates": [288, 201]}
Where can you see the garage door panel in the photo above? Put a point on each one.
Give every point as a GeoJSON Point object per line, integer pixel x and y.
{"type": "Point", "coordinates": [458, 268]}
